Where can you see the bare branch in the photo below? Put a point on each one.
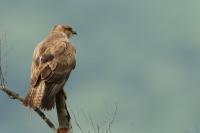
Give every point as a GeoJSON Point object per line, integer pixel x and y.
{"type": "Point", "coordinates": [77, 123]}
{"type": "Point", "coordinates": [62, 113]}
{"type": "Point", "coordinates": [96, 127]}
{"type": "Point", "coordinates": [92, 123]}
{"type": "Point", "coordinates": [13, 95]}
{"type": "Point", "coordinates": [16, 96]}
{"type": "Point", "coordinates": [5, 59]}
{"type": "Point", "coordinates": [112, 120]}
{"type": "Point", "coordinates": [2, 80]}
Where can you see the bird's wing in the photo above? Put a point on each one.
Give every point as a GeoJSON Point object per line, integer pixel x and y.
{"type": "Point", "coordinates": [53, 65]}
{"type": "Point", "coordinates": [43, 54]}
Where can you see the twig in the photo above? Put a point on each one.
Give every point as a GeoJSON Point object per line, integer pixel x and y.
{"type": "Point", "coordinates": [92, 123]}
{"type": "Point", "coordinates": [16, 96]}
{"type": "Point", "coordinates": [77, 123]}
{"type": "Point", "coordinates": [112, 121]}
{"type": "Point", "coordinates": [98, 129]}
{"type": "Point", "coordinates": [2, 80]}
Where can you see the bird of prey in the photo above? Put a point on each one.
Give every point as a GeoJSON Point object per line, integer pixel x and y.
{"type": "Point", "coordinates": [53, 61]}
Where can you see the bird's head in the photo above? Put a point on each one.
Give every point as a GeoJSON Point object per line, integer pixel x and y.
{"type": "Point", "coordinates": [68, 30]}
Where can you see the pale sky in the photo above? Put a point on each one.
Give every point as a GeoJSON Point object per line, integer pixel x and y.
{"type": "Point", "coordinates": [142, 55]}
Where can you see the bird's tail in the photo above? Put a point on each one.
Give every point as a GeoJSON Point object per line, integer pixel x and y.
{"type": "Point", "coordinates": [35, 96]}
{"type": "Point", "coordinates": [48, 104]}
{"type": "Point", "coordinates": [48, 101]}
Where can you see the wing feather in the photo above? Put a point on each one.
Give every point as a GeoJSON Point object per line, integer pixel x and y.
{"type": "Point", "coordinates": [53, 60]}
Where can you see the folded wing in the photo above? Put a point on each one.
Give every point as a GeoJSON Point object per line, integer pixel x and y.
{"type": "Point", "coordinates": [51, 67]}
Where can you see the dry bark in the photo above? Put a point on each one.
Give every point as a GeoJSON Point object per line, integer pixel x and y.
{"type": "Point", "coordinates": [62, 113]}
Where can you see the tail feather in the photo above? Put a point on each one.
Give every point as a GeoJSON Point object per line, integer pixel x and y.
{"type": "Point", "coordinates": [48, 105]}
{"type": "Point", "coordinates": [43, 95]}
{"type": "Point", "coordinates": [35, 96]}
{"type": "Point", "coordinates": [39, 97]}
{"type": "Point", "coordinates": [28, 101]}
{"type": "Point", "coordinates": [48, 102]}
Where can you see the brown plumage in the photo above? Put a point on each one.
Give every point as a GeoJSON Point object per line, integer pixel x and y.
{"type": "Point", "coordinates": [53, 61]}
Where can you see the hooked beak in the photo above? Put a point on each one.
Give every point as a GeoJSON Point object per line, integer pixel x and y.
{"type": "Point", "coordinates": [74, 32]}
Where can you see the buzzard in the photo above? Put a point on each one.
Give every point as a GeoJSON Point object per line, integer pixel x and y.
{"type": "Point", "coordinates": [53, 61]}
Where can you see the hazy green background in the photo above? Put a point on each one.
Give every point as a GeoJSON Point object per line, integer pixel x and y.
{"type": "Point", "coordinates": [141, 54]}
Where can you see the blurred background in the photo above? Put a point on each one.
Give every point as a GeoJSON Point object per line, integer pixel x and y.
{"type": "Point", "coordinates": [141, 55]}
